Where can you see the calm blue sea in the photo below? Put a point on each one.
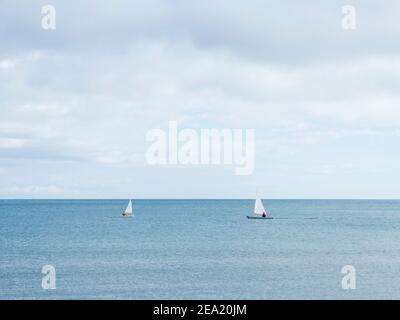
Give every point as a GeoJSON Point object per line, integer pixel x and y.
{"type": "Point", "coordinates": [199, 249]}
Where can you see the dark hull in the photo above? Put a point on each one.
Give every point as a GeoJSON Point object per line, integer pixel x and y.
{"type": "Point", "coordinates": [127, 215]}
{"type": "Point", "coordinates": [250, 217]}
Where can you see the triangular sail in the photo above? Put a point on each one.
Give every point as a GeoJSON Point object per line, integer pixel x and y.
{"type": "Point", "coordinates": [259, 207]}
{"type": "Point", "coordinates": [129, 209]}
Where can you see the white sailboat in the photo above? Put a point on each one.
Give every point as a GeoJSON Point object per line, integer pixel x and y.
{"type": "Point", "coordinates": [259, 210]}
{"type": "Point", "coordinates": [129, 210]}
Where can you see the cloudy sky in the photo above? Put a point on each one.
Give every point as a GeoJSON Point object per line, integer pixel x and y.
{"type": "Point", "coordinates": [76, 102]}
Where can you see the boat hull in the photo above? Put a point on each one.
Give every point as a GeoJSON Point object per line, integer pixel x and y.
{"type": "Point", "coordinates": [127, 215]}
{"type": "Point", "coordinates": [267, 218]}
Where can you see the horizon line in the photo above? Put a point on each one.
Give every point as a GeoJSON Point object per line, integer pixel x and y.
{"type": "Point", "coordinates": [307, 199]}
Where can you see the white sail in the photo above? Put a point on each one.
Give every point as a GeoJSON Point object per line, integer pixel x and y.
{"type": "Point", "coordinates": [259, 207]}
{"type": "Point", "coordinates": [129, 208]}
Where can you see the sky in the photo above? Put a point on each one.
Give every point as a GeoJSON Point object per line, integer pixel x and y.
{"type": "Point", "coordinates": [77, 102]}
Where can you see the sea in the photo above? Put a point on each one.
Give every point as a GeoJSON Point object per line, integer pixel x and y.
{"type": "Point", "coordinates": [200, 249]}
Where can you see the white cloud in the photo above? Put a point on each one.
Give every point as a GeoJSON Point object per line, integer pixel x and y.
{"type": "Point", "coordinates": [8, 143]}
{"type": "Point", "coordinates": [31, 190]}
{"type": "Point", "coordinates": [7, 64]}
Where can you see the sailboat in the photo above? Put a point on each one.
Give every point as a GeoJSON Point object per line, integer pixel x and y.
{"type": "Point", "coordinates": [129, 210]}
{"type": "Point", "coordinates": [259, 210]}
